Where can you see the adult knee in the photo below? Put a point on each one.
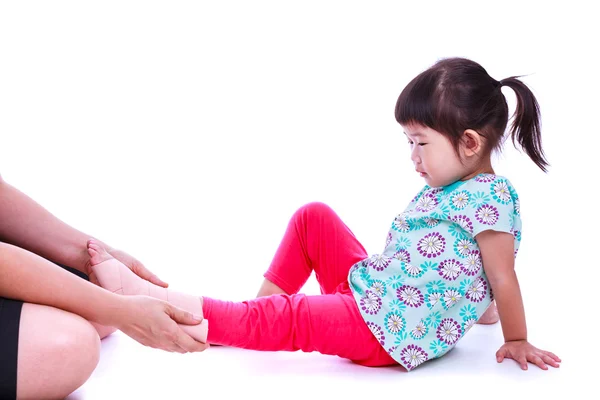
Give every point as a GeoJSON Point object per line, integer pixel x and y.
{"type": "Point", "coordinates": [79, 352]}
{"type": "Point", "coordinates": [55, 359]}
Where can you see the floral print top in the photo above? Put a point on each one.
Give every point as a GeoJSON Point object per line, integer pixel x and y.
{"type": "Point", "coordinates": [428, 287]}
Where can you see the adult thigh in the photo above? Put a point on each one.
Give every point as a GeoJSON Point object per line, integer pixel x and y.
{"type": "Point", "coordinates": [58, 351]}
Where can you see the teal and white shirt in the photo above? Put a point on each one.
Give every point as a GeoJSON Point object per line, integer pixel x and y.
{"type": "Point", "coordinates": [428, 287]}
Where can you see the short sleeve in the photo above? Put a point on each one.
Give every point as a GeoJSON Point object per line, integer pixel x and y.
{"type": "Point", "coordinates": [487, 202]}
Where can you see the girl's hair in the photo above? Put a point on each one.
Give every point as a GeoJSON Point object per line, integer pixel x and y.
{"type": "Point", "coordinates": [457, 94]}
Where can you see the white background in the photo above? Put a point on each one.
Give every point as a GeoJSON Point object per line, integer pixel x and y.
{"type": "Point", "coordinates": [187, 133]}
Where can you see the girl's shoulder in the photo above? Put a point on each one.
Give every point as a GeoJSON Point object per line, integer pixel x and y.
{"type": "Point", "coordinates": [490, 184]}
{"type": "Point", "coordinates": [479, 189]}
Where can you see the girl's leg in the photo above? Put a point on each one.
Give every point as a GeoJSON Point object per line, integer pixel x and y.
{"type": "Point", "coordinates": [316, 239]}
{"type": "Point", "coordinates": [57, 352]}
{"type": "Point", "coordinates": [490, 316]}
{"type": "Point", "coordinates": [329, 324]}
{"type": "Point", "coordinates": [115, 277]}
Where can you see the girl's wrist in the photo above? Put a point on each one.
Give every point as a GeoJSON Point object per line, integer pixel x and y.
{"type": "Point", "coordinates": [511, 340]}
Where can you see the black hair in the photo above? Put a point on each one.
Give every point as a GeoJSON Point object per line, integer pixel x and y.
{"type": "Point", "coordinates": [457, 94]}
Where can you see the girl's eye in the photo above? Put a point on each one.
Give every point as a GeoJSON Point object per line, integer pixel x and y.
{"type": "Point", "coordinates": [421, 144]}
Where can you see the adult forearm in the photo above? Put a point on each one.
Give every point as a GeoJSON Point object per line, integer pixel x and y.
{"type": "Point", "coordinates": [26, 224]}
{"type": "Point", "coordinates": [28, 277]}
{"type": "Point", "coordinates": [507, 294]}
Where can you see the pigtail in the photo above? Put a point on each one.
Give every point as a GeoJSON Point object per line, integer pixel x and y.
{"type": "Point", "coordinates": [525, 128]}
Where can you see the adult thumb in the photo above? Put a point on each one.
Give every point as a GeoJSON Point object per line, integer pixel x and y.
{"type": "Point", "coordinates": [183, 317]}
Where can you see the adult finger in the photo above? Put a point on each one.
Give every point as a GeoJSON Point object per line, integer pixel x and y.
{"type": "Point", "coordinates": [183, 317]}
{"type": "Point", "coordinates": [179, 348]}
{"type": "Point", "coordinates": [188, 343]}
{"type": "Point", "coordinates": [172, 346]}
{"type": "Point", "coordinates": [140, 270]}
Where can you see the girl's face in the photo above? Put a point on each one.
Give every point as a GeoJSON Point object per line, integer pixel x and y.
{"type": "Point", "coordinates": [435, 159]}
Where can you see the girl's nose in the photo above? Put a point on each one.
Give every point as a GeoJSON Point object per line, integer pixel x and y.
{"type": "Point", "coordinates": [414, 156]}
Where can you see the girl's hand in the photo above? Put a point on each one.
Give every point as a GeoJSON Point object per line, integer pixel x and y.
{"type": "Point", "coordinates": [523, 352]}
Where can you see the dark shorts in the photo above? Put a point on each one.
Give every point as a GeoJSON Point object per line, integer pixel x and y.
{"type": "Point", "coordinates": [10, 318]}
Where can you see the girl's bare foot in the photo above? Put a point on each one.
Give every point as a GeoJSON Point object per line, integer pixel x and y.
{"type": "Point", "coordinates": [490, 316]}
{"type": "Point", "coordinates": [114, 276]}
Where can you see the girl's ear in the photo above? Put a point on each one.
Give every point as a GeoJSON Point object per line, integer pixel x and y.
{"type": "Point", "coordinates": [472, 142]}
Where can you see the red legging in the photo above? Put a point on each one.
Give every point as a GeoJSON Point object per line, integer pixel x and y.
{"type": "Point", "coordinates": [317, 240]}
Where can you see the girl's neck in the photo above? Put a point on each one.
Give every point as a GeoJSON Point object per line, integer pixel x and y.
{"type": "Point", "coordinates": [482, 168]}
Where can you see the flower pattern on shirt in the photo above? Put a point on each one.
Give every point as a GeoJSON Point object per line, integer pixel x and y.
{"type": "Point", "coordinates": [459, 200]}
{"type": "Point", "coordinates": [450, 269]}
{"type": "Point", "coordinates": [394, 323]}
{"type": "Point", "coordinates": [501, 192]}
{"type": "Point", "coordinates": [370, 303]}
{"type": "Point", "coordinates": [427, 289]}
{"type": "Point", "coordinates": [419, 331]}
{"type": "Point", "coordinates": [449, 331]}
{"type": "Point", "coordinates": [431, 245]}
{"type": "Point", "coordinates": [472, 264]}
{"type": "Point", "coordinates": [411, 296]}
{"type": "Point", "coordinates": [413, 356]}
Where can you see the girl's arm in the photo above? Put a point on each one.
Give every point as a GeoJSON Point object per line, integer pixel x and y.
{"type": "Point", "coordinates": [497, 253]}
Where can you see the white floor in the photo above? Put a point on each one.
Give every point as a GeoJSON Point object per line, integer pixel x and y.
{"type": "Point", "coordinates": [129, 371]}
{"type": "Point", "coordinates": [187, 133]}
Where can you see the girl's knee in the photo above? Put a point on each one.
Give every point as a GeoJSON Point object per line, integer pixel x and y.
{"type": "Point", "coordinates": [315, 208]}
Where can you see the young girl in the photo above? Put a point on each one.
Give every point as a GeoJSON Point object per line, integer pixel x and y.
{"type": "Point", "coordinates": [447, 257]}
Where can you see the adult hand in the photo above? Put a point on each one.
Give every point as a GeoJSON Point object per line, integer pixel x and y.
{"type": "Point", "coordinates": [137, 267]}
{"type": "Point", "coordinates": [132, 263]}
{"type": "Point", "coordinates": [153, 323]}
